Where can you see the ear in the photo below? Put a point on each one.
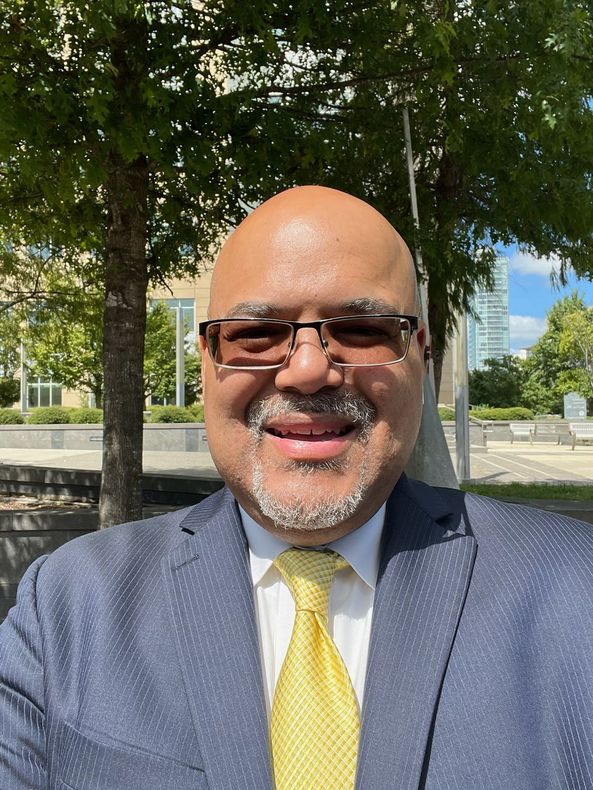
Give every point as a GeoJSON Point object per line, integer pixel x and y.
{"type": "Point", "coordinates": [422, 339]}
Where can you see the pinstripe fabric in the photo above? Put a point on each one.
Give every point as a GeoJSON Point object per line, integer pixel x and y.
{"type": "Point", "coordinates": [521, 671]}
{"type": "Point", "coordinates": [213, 613]}
{"type": "Point", "coordinates": [132, 660]}
{"type": "Point", "coordinates": [423, 578]}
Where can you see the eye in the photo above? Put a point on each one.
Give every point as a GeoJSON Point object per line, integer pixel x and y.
{"type": "Point", "coordinates": [366, 330]}
{"type": "Point", "coordinates": [254, 334]}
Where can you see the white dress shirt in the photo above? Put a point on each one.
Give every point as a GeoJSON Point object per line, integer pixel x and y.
{"type": "Point", "coordinates": [350, 603]}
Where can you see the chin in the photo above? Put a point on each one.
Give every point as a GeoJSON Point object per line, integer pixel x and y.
{"type": "Point", "coordinates": [302, 506]}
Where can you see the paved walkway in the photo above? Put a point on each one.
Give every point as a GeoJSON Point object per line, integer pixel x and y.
{"type": "Point", "coordinates": [500, 462]}
{"type": "Point", "coordinates": [504, 462]}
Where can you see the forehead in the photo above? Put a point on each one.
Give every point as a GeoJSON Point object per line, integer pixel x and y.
{"type": "Point", "coordinates": [314, 264]}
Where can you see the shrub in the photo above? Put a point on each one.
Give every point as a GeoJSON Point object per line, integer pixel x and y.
{"type": "Point", "coordinates": [445, 413]}
{"type": "Point", "coordinates": [511, 414]}
{"type": "Point", "coordinates": [10, 390]}
{"type": "Point", "coordinates": [171, 414]}
{"type": "Point", "coordinates": [86, 415]}
{"type": "Point", "coordinates": [49, 415]}
{"type": "Point", "coordinates": [10, 417]}
{"type": "Point", "coordinates": [197, 409]}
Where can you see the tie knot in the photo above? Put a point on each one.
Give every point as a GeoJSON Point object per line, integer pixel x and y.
{"type": "Point", "coordinates": [309, 575]}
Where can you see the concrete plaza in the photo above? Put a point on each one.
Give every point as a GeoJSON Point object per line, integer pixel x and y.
{"type": "Point", "coordinates": [521, 462]}
{"type": "Point", "coordinates": [499, 462]}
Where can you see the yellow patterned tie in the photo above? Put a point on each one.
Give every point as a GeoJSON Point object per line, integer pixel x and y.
{"type": "Point", "coordinates": [315, 721]}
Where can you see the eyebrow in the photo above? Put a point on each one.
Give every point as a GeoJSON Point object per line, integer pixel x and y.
{"type": "Point", "coordinates": [253, 310]}
{"type": "Point", "coordinates": [367, 304]}
{"type": "Point", "coordinates": [361, 305]}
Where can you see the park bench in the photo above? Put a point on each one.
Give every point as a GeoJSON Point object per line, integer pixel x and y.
{"type": "Point", "coordinates": [522, 429]}
{"type": "Point", "coordinates": [547, 430]}
{"type": "Point", "coordinates": [580, 430]}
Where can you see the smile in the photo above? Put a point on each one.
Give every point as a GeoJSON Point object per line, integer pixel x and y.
{"type": "Point", "coordinates": [309, 433]}
{"type": "Point", "coordinates": [316, 439]}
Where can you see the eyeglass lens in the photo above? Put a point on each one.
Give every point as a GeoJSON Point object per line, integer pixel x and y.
{"type": "Point", "coordinates": [358, 340]}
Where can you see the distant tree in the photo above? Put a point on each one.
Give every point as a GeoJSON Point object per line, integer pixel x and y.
{"type": "Point", "coordinates": [576, 347]}
{"type": "Point", "coordinates": [64, 334]}
{"type": "Point", "coordinates": [64, 339]}
{"type": "Point", "coordinates": [561, 360]}
{"type": "Point", "coordinates": [160, 357]}
{"type": "Point", "coordinates": [499, 384]}
{"type": "Point", "coordinates": [10, 354]}
{"type": "Point", "coordinates": [11, 320]}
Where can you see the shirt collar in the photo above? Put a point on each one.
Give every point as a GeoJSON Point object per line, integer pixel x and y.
{"type": "Point", "coordinates": [360, 548]}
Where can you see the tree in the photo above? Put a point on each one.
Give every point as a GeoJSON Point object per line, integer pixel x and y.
{"type": "Point", "coordinates": [122, 138]}
{"type": "Point", "coordinates": [160, 357]}
{"type": "Point", "coordinates": [64, 334]}
{"type": "Point", "coordinates": [576, 346]}
{"type": "Point", "coordinates": [500, 384]}
{"type": "Point", "coordinates": [10, 355]}
{"type": "Point", "coordinates": [10, 346]}
{"type": "Point", "coordinates": [560, 361]}
{"type": "Point", "coordinates": [502, 129]}
{"type": "Point", "coordinates": [64, 339]}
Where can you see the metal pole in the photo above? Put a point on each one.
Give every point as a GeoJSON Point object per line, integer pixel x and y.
{"type": "Point", "coordinates": [179, 359]}
{"type": "Point", "coordinates": [461, 401]}
{"type": "Point", "coordinates": [24, 380]}
{"type": "Point", "coordinates": [417, 249]}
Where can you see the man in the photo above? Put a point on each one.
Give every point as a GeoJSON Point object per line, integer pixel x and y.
{"type": "Point", "coordinates": [156, 655]}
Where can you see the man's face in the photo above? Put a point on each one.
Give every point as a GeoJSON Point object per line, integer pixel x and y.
{"type": "Point", "coordinates": [312, 450]}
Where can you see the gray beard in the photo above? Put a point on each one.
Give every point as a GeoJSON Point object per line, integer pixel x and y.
{"type": "Point", "coordinates": [301, 510]}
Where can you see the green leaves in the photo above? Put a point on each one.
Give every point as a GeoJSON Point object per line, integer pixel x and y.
{"type": "Point", "coordinates": [562, 359]}
{"type": "Point", "coordinates": [499, 384]}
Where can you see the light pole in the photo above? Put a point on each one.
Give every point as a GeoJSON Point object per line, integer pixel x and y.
{"type": "Point", "coordinates": [179, 358]}
{"type": "Point", "coordinates": [430, 460]}
{"type": "Point", "coordinates": [461, 400]}
{"type": "Point", "coordinates": [24, 380]}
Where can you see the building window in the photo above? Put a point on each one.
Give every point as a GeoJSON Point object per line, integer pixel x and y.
{"type": "Point", "coordinates": [44, 392]}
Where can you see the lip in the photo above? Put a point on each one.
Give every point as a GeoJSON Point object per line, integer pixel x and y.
{"type": "Point", "coordinates": [310, 439]}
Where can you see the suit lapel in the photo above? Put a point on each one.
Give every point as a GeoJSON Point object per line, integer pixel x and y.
{"type": "Point", "coordinates": [425, 571]}
{"type": "Point", "coordinates": [213, 614]}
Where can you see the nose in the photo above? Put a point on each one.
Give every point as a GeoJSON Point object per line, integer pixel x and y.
{"type": "Point", "coordinates": [308, 368]}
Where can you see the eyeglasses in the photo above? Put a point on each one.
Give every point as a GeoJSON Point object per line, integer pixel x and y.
{"type": "Point", "coordinates": [358, 341]}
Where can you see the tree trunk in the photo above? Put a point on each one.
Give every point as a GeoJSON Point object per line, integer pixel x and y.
{"type": "Point", "coordinates": [437, 320]}
{"type": "Point", "coordinates": [124, 325]}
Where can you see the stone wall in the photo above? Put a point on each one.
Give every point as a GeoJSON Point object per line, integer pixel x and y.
{"type": "Point", "coordinates": [168, 437]}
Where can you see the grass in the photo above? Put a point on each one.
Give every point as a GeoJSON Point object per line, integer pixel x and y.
{"type": "Point", "coordinates": [580, 493]}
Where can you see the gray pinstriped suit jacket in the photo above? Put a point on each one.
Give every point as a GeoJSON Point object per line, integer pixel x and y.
{"type": "Point", "coordinates": [131, 660]}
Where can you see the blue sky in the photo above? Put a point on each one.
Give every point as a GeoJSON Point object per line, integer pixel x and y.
{"type": "Point", "coordinates": [531, 294]}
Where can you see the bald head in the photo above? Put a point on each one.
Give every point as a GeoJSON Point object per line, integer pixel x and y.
{"type": "Point", "coordinates": [319, 229]}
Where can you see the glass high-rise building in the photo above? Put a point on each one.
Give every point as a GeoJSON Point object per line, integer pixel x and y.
{"type": "Point", "coordinates": [488, 337]}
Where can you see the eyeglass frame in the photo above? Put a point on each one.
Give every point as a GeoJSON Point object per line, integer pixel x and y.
{"type": "Point", "coordinates": [412, 320]}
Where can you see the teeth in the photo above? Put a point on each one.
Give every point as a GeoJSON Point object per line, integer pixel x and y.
{"type": "Point", "coordinates": [310, 431]}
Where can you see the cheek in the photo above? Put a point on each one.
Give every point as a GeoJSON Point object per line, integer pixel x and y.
{"type": "Point", "coordinates": [398, 401]}
{"type": "Point", "coordinates": [227, 393]}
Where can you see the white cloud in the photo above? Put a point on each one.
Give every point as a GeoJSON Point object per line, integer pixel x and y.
{"type": "Point", "coordinates": [525, 263]}
{"type": "Point", "coordinates": [525, 330]}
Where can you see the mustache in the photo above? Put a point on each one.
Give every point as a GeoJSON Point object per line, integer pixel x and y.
{"type": "Point", "coordinates": [355, 408]}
